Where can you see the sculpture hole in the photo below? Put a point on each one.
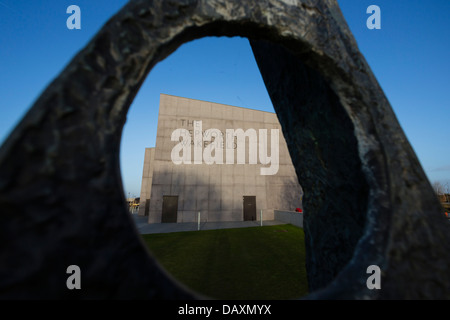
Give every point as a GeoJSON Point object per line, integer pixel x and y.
{"type": "Point", "coordinates": [231, 264]}
{"type": "Point", "coordinates": [323, 147]}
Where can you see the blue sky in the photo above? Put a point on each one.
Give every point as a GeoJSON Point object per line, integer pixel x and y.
{"type": "Point", "coordinates": [409, 56]}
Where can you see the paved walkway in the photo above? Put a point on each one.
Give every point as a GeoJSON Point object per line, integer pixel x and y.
{"type": "Point", "coordinates": [145, 228]}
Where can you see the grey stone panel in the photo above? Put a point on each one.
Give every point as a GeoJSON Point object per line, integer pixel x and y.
{"type": "Point", "coordinates": [236, 214]}
{"type": "Point", "coordinates": [147, 175]}
{"type": "Point", "coordinates": [226, 198]}
{"type": "Point", "coordinates": [294, 218]}
{"type": "Point", "coordinates": [240, 179]}
{"type": "Point", "coordinates": [188, 216]}
{"type": "Point", "coordinates": [190, 201]}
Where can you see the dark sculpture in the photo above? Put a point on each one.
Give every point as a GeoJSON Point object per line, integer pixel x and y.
{"type": "Point", "coordinates": [367, 199]}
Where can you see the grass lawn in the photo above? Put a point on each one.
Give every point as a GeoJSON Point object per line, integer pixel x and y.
{"type": "Point", "coordinates": [244, 263]}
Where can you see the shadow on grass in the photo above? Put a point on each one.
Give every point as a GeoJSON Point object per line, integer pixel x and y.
{"type": "Point", "coordinates": [245, 263]}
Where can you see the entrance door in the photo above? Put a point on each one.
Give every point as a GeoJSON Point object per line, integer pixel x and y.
{"type": "Point", "coordinates": [169, 209]}
{"type": "Point", "coordinates": [249, 208]}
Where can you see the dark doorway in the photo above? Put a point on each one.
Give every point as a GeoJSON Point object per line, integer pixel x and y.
{"type": "Point", "coordinates": [169, 209]}
{"type": "Point", "coordinates": [249, 208]}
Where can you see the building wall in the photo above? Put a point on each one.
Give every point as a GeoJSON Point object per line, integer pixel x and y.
{"type": "Point", "coordinates": [147, 180]}
{"type": "Point", "coordinates": [216, 190]}
{"type": "Point", "coordinates": [290, 217]}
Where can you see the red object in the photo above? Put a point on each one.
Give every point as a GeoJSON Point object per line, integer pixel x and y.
{"type": "Point", "coordinates": [298, 210]}
{"type": "Point", "coordinates": [446, 214]}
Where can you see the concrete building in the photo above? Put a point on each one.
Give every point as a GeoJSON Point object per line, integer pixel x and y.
{"type": "Point", "coordinates": [228, 163]}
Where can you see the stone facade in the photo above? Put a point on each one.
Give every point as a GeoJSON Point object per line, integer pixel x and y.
{"type": "Point", "coordinates": [217, 190]}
